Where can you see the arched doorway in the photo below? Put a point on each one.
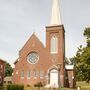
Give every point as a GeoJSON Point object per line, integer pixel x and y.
{"type": "Point", "coordinates": [54, 78]}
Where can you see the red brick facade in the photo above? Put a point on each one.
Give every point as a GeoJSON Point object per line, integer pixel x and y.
{"type": "Point", "coordinates": [46, 62]}
{"type": "Point", "coordinates": [2, 71]}
{"type": "Point", "coordinates": [70, 78]}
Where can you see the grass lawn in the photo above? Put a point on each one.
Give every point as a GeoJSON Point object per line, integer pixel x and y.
{"type": "Point", "coordinates": [2, 88]}
{"type": "Point", "coordinates": [84, 85]}
{"type": "Point", "coordinates": [33, 88]}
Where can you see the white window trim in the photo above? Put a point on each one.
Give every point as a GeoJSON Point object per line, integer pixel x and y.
{"type": "Point", "coordinates": [53, 52]}
{"type": "Point", "coordinates": [35, 74]}
{"type": "Point", "coordinates": [54, 49]}
{"type": "Point", "coordinates": [41, 76]}
{"type": "Point", "coordinates": [28, 77]}
{"type": "Point", "coordinates": [22, 76]}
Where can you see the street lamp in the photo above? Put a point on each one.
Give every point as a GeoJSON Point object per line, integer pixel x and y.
{"type": "Point", "coordinates": [59, 67]}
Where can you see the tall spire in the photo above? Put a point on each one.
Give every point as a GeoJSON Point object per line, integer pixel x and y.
{"type": "Point", "coordinates": [55, 18]}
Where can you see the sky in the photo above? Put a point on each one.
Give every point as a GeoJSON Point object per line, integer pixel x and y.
{"type": "Point", "coordinates": [20, 18]}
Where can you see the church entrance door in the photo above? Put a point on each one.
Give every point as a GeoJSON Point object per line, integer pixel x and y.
{"type": "Point", "coordinates": [54, 78]}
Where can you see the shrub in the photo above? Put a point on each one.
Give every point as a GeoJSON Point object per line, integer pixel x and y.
{"type": "Point", "coordinates": [39, 84]}
{"type": "Point", "coordinates": [28, 85]}
{"type": "Point", "coordinates": [15, 87]}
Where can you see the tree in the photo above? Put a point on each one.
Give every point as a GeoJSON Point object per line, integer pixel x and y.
{"type": "Point", "coordinates": [87, 35]}
{"type": "Point", "coordinates": [8, 69]}
{"type": "Point", "coordinates": [72, 61]}
{"type": "Point", "coordinates": [82, 59]}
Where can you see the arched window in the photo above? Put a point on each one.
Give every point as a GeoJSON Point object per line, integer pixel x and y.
{"type": "Point", "coordinates": [41, 74]}
{"type": "Point", "coordinates": [22, 74]}
{"type": "Point", "coordinates": [28, 74]}
{"type": "Point", "coordinates": [54, 44]}
{"type": "Point", "coordinates": [35, 74]}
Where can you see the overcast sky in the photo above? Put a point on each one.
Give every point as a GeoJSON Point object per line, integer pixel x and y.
{"type": "Point", "coordinates": [20, 18]}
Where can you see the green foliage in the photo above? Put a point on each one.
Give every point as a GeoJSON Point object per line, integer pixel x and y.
{"type": "Point", "coordinates": [83, 64]}
{"type": "Point", "coordinates": [15, 87]}
{"type": "Point", "coordinates": [72, 60]}
{"type": "Point", "coordinates": [87, 34]}
{"type": "Point", "coordinates": [8, 69]}
{"type": "Point", "coordinates": [82, 59]}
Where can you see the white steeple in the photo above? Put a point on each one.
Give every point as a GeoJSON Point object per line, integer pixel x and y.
{"type": "Point", "coordinates": [55, 17]}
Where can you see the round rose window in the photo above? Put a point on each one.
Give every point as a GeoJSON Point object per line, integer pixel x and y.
{"type": "Point", "coordinates": [33, 57]}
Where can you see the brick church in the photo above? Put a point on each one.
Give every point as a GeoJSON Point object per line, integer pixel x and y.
{"type": "Point", "coordinates": [45, 64]}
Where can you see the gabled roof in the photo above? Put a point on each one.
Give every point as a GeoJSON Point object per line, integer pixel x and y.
{"type": "Point", "coordinates": [2, 61]}
{"type": "Point", "coordinates": [33, 36]}
{"type": "Point", "coordinates": [16, 60]}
